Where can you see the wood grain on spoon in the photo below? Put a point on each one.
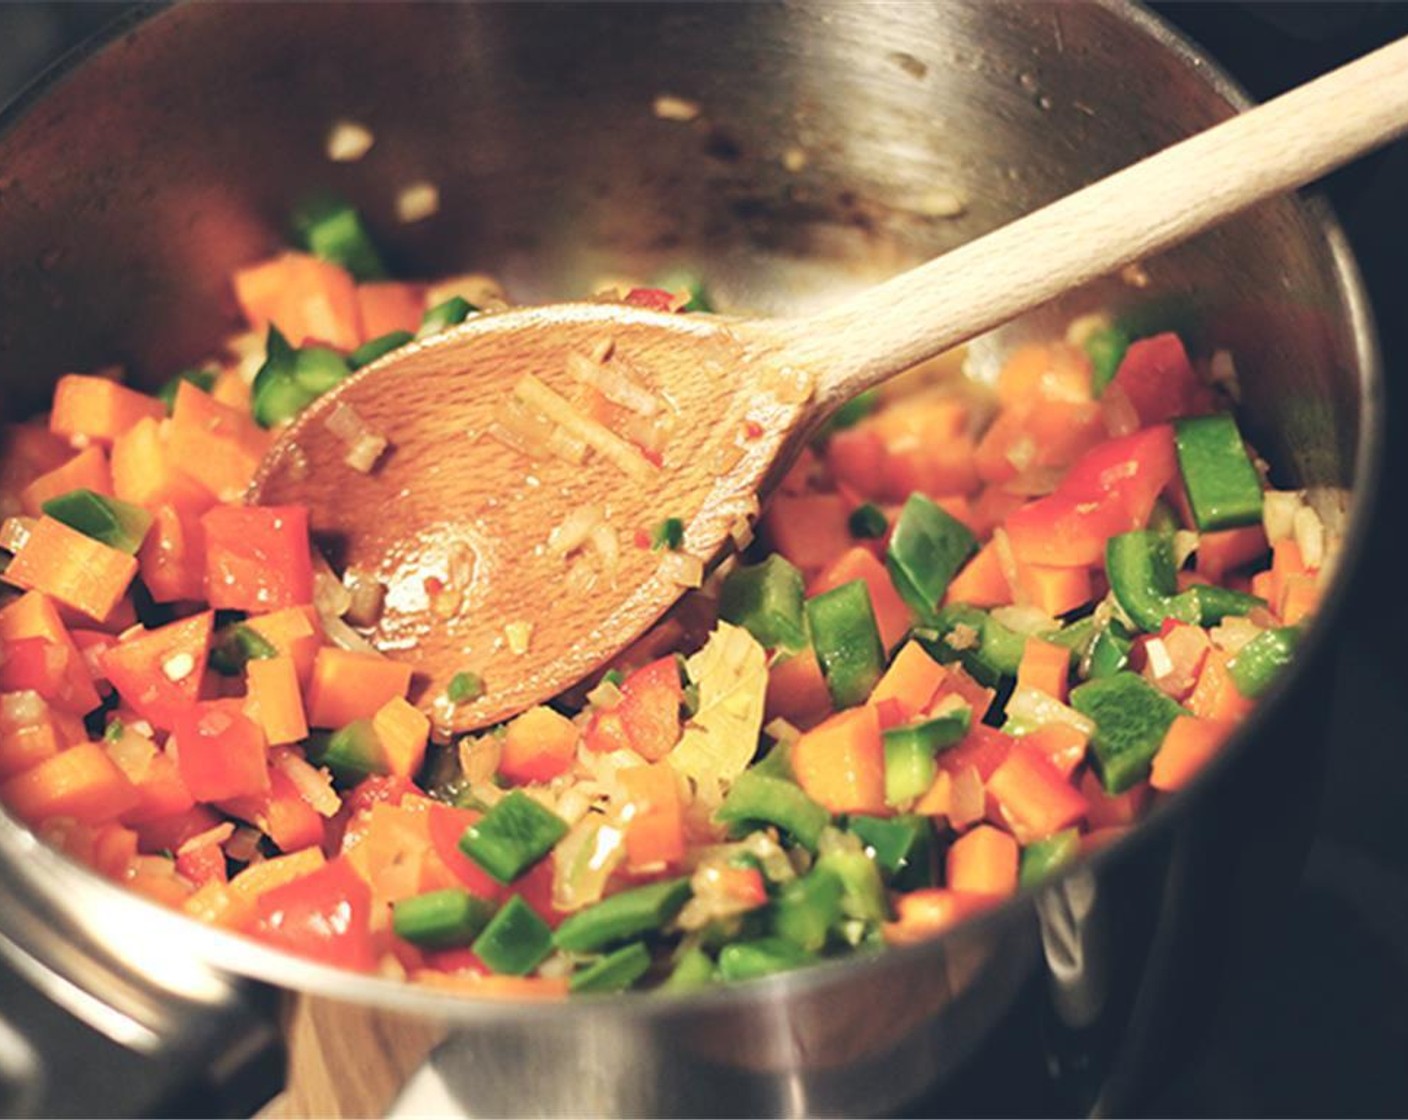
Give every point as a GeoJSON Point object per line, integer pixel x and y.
{"type": "Point", "coordinates": [448, 504]}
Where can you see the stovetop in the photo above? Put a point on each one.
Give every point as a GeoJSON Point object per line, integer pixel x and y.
{"type": "Point", "coordinates": [1319, 1024]}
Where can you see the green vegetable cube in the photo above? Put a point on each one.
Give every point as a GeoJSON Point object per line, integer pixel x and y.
{"type": "Point", "coordinates": [748, 960]}
{"type": "Point", "coordinates": [1223, 486]}
{"type": "Point", "coordinates": [614, 972]}
{"type": "Point", "coordinates": [1131, 718]}
{"type": "Point", "coordinates": [623, 916]}
{"type": "Point", "coordinates": [512, 836]}
{"type": "Point", "coordinates": [766, 600]}
{"type": "Point", "coordinates": [806, 908]}
{"type": "Point", "coordinates": [927, 548]}
{"type": "Point", "coordinates": [515, 941]}
{"type": "Point", "coordinates": [757, 798]}
{"type": "Point", "coordinates": [352, 753]}
{"type": "Point", "coordinates": [441, 919]}
{"type": "Point", "coordinates": [847, 641]}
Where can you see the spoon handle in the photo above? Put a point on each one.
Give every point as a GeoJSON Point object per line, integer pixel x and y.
{"type": "Point", "coordinates": [1163, 199]}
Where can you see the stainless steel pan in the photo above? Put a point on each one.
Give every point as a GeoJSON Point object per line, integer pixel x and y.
{"type": "Point", "coordinates": [836, 143]}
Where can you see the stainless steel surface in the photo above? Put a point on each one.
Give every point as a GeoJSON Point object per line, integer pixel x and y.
{"type": "Point", "coordinates": [129, 192]}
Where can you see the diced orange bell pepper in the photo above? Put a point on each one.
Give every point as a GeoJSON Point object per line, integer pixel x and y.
{"type": "Point", "coordinates": [257, 558]}
{"type": "Point", "coordinates": [911, 681]}
{"type": "Point", "coordinates": [308, 299]}
{"type": "Point", "coordinates": [387, 306]}
{"type": "Point", "coordinates": [72, 568]}
{"type": "Point", "coordinates": [275, 702]}
{"type": "Point", "coordinates": [1053, 590]}
{"type": "Point", "coordinates": [218, 446]}
{"type": "Point", "coordinates": [797, 691]}
{"type": "Point", "coordinates": [655, 835]}
{"type": "Point", "coordinates": [984, 748]}
{"type": "Point", "coordinates": [88, 470]}
{"type": "Point", "coordinates": [1045, 666]}
{"type": "Point", "coordinates": [158, 672]}
{"type": "Point", "coordinates": [144, 471]}
{"type": "Point", "coordinates": [984, 861]}
{"type": "Point", "coordinates": [347, 686]}
{"type": "Point", "coordinates": [981, 582]}
{"type": "Point", "coordinates": [538, 746]}
{"type": "Point", "coordinates": [1188, 746]}
{"type": "Point", "coordinates": [80, 782]}
{"type": "Point", "coordinates": [403, 731]}
{"type": "Point", "coordinates": [281, 812]}
{"type": "Point", "coordinates": [840, 763]}
{"type": "Point", "coordinates": [892, 616]}
{"type": "Point", "coordinates": [98, 408]}
{"type": "Point", "coordinates": [1160, 381]}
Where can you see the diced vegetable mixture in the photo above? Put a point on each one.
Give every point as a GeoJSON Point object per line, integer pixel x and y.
{"type": "Point", "coordinates": [981, 630]}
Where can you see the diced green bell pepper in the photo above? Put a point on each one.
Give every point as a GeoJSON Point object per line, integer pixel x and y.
{"type": "Point", "coordinates": [766, 600]}
{"type": "Point", "coordinates": [1224, 488]}
{"type": "Point", "coordinates": [1142, 575]}
{"type": "Point", "coordinates": [1105, 348]}
{"type": "Point", "coordinates": [464, 688]}
{"type": "Point", "coordinates": [623, 916]}
{"type": "Point", "coordinates": [995, 654]}
{"type": "Point", "coordinates": [927, 547]}
{"type": "Point", "coordinates": [1109, 652]}
{"type": "Point", "coordinates": [333, 231]}
{"type": "Point", "coordinates": [1043, 858]}
{"type": "Point", "coordinates": [748, 960]}
{"type": "Point", "coordinates": [694, 969]}
{"type": "Point", "coordinates": [614, 972]}
{"type": "Point", "coordinates": [444, 919]}
{"type": "Point", "coordinates": [807, 907]}
{"type": "Point", "coordinates": [235, 646]}
{"type": "Point", "coordinates": [757, 798]}
{"type": "Point", "coordinates": [1131, 718]}
{"type": "Point", "coordinates": [902, 847]}
{"type": "Point", "coordinates": [512, 836]}
{"type": "Point", "coordinates": [847, 641]}
{"type": "Point", "coordinates": [515, 941]}
{"type": "Point", "coordinates": [378, 347]}
{"type": "Point", "coordinates": [910, 751]}
{"type": "Point", "coordinates": [117, 524]}
{"type": "Point", "coordinates": [291, 379]}
{"type": "Point", "coordinates": [862, 890]}
{"type": "Point", "coordinates": [667, 535]}
{"type": "Point", "coordinates": [444, 315]}
{"type": "Point", "coordinates": [352, 753]}
{"type": "Point", "coordinates": [1258, 663]}
{"type": "Point", "coordinates": [867, 522]}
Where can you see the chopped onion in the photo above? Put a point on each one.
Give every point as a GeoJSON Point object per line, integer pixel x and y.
{"type": "Point", "coordinates": [367, 602]}
{"type": "Point", "coordinates": [1185, 543]}
{"type": "Point", "coordinates": [417, 201]}
{"type": "Point", "coordinates": [668, 107]}
{"type": "Point", "coordinates": [519, 635]}
{"type": "Point", "coordinates": [314, 785]}
{"type": "Point", "coordinates": [477, 288]}
{"type": "Point", "coordinates": [1024, 620]}
{"type": "Point", "coordinates": [682, 568]}
{"type": "Point", "coordinates": [613, 383]}
{"type": "Point", "coordinates": [962, 637]}
{"type": "Point", "coordinates": [178, 667]}
{"type": "Point", "coordinates": [1083, 326]}
{"type": "Point", "coordinates": [1222, 371]}
{"type": "Point", "coordinates": [607, 546]}
{"type": "Point", "coordinates": [365, 447]}
{"type": "Point", "coordinates": [344, 637]}
{"type": "Point", "coordinates": [217, 835]}
{"type": "Point", "coordinates": [243, 844]}
{"type": "Point", "coordinates": [781, 731]}
{"type": "Point", "coordinates": [1007, 561]}
{"type": "Point", "coordinates": [1233, 632]}
{"type": "Point", "coordinates": [1022, 451]}
{"type": "Point", "coordinates": [1309, 533]}
{"type": "Point", "coordinates": [1160, 663]}
{"type": "Point", "coordinates": [1034, 708]}
{"type": "Point", "coordinates": [330, 597]}
{"type": "Point", "coordinates": [21, 710]}
{"type": "Point", "coordinates": [607, 694]}
{"type": "Point", "coordinates": [1278, 513]}
{"type": "Point", "coordinates": [348, 141]}
{"type": "Point", "coordinates": [14, 532]}
{"type": "Point", "coordinates": [532, 392]}
{"type": "Point", "coordinates": [584, 861]}
{"type": "Point", "coordinates": [574, 530]}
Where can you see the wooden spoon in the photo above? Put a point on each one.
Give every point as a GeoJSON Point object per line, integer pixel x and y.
{"type": "Point", "coordinates": [459, 527]}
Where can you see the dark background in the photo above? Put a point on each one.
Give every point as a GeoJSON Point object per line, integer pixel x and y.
{"type": "Point", "coordinates": [1318, 1026]}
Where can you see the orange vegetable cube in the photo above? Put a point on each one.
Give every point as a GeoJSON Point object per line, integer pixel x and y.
{"type": "Point", "coordinates": [892, 616]}
{"type": "Point", "coordinates": [538, 746]}
{"type": "Point", "coordinates": [33, 615]}
{"type": "Point", "coordinates": [347, 686]}
{"type": "Point", "coordinates": [655, 835]}
{"type": "Point", "coordinates": [797, 691]}
{"type": "Point", "coordinates": [1188, 746]}
{"type": "Point", "coordinates": [295, 632]}
{"type": "Point", "coordinates": [88, 470]}
{"type": "Point", "coordinates": [403, 731]}
{"type": "Point", "coordinates": [308, 299]}
{"type": "Point", "coordinates": [1061, 744]}
{"type": "Point", "coordinates": [24, 744]}
{"type": "Point", "coordinates": [387, 306]}
{"type": "Point", "coordinates": [981, 582]}
{"type": "Point", "coordinates": [841, 763]}
{"type": "Point", "coordinates": [1033, 797]}
{"type": "Point", "coordinates": [929, 911]}
{"type": "Point", "coordinates": [80, 782]}
{"type": "Point", "coordinates": [72, 568]}
{"type": "Point", "coordinates": [275, 702]}
{"type": "Point", "coordinates": [172, 558]}
{"type": "Point", "coordinates": [911, 681]}
{"type": "Point", "coordinates": [1055, 590]}
{"type": "Point", "coordinates": [144, 471]}
{"type": "Point", "coordinates": [218, 446]}
{"type": "Point", "coordinates": [810, 530]}
{"type": "Point", "coordinates": [984, 861]}
{"type": "Point", "coordinates": [1045, 666]}
{"type": "Point", "coordinates": [97, 408]}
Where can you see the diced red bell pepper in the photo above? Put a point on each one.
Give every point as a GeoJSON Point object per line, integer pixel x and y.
{"type": "Point", "coordinates": [257, 558]}
{"type": "Point", "coordinates": [290, 821]}
{"type": "Point", "coordinates": [647, 720]}
{"type": "Point", "coordinates": [221, 751]}
{"type": "Point", "coordinates": [447, 824]}
{"type": "Point", "coordinates": [158, 672]}
{"type": "Point", "coordinates": [39, 665]}
{"type": "Point", "coordinates": [984, 748]}
{"type": "Point", "coordinates": [169, 833]}
{"type": "Point", "coordinates": [1161, 382]}
{"type": "Point", "coordinates": [205, 864]}
{"type": "Point", "coordinates": [1110, 489]}
{"type": "Point", "coordinates": [656, 299]}
{"type": "Point", "coordinates": [535, 888]}
{"type": "Point", "coordinates": [161, 793]}
{"type": "Point", "coordinates": [324, 916]}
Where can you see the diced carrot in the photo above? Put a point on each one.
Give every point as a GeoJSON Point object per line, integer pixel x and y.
{"type": "Point", "coordinates": [538, 746]}
{"type": "Point", "coordinates": [172, 558]}
{"type": "Point", "coordinates": [1228, 549]}
{"type": "Point", "coordinates": [161, 886]}
{"type": "Point", "coordinates": [983, 861]}
{"type": "Point", "coordinates": [161, 791]}
{"type": "Point", "coordinates": [72, 568]}
{"type": "Point", "coordinates": [1262, 585]}
{"type": "Point", "coordinates": [391, 851]}
{"type": "Point", "coordinates": [810, 530]}
{"type": "Point", "coordinates": [1287, 564]}
{"type": "Point", "coordinates": [910, 682]}
{"type": "Point", "coordinates": [1188, 746]}
{"type": "Point", "coordinates": [114, 849]}
{"type": "Point", "coordinates": [98, 408]}
{"type": "Point", "coordinates": [1033, 797]}
{"type": "Point", "coordinates": [1061, 744]}
{"type": "Point", "coordinates": [957, 506]}
{"type": "Point", "coordinates": [217, 904]}
{"type": "Point", "coordinates": [981, 582]}
{"type": "Point", "coordinates": [1053, 371]}
{"type": "Point", "coordinates": [1055, 590]}
{"type": "Point", "coordinates": [655, 836]}
{"type": "Point", "coordinates": [937, 467]}
{"type": "Point", "coordinates": [1038, 436]}
{"type": "Point", "coordinates": [258, 878]}
{"type": "Point", "coordinates": [928, 911]}
{"type": "Point", "coordinates": [1118, 810]}
{"type": "Point", "coordinates": [1215, 696]}
{"type": "Point", "coordinates": [216, 445]}
{"type": "Point", "coordinates": [1045, 666]}
{"type": "Point", "coordinates": [937, 800]}
{"type": "Point", "coordinates": [841, 763]}
{"type": "Point", "coordinates": [308, 299]}
{"type": "Point", "coordinates": [387, 306]}
{"type": "Point", "coordinates": [25, 745]}
{"type": "Point", "coordinates": [88, 470]}
{"type": "Point", "coordinates": [892, 616]}
{"type": "Point", "coordinates": [403, 731]}
{"type": "Point", "coordinates": [991, 507]}
{"type": "Point", "coordinates": [144, 471]}
{"type": "Point", "coordinates": [346, 686]}
{"type": "Point", "coordinates": [33, 615]}
{"type": "Point", "coordinates": [295, 632]}
{"type": "Point", "coordinates": [797, 691]}
{"type": "Point", "coordinates": [1299, 597]}
{"type": "Point", "coordinates": [27, 451]}
{"type": "Point", "coordinates": [275, 702]}
{"type": "Point", "coordinates": [80, 782]}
